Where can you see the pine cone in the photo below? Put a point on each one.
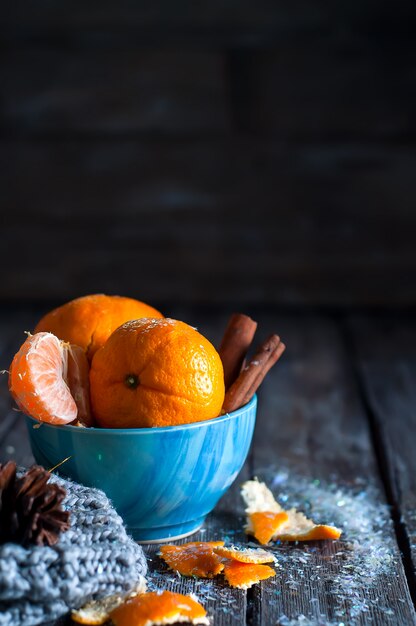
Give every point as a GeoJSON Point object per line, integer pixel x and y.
{"type": "Point", "coordinates": [30, 507]}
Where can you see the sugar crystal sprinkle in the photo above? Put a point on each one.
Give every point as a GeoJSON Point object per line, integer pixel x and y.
{"type": "Point", "coordinates": [355, 571]}
{"type": "Point", "coordinates": [351, 569]}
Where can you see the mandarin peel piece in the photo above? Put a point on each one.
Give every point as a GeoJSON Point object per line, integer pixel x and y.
{"type": "Point", "coordinates": [261, 507]}
{"type": "Point", "coordinates": [245, 575]}
{"type": "Point", "coordinates": [255, 556]}
{"type": "Point", "coordinates": [300, 528]}
{"type": "Point", "coordinates": [263, 525]}
{"type": "Point", "coordinates": [153, 608]}
{"type": "Point", "coordinates": [98, 612]}
{"type": "Point", "coordinates": [194, 558]}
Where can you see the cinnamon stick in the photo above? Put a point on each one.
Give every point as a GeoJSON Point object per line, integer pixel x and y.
{"type": "Point", "coordinates": [235, 344]}
{"type": "Point", "coordinates": [251, 377]}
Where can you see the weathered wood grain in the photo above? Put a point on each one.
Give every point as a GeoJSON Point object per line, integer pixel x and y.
{"type": "Point", "coordinates": [293, 90]}
{"type": "Point", "coordinates": [112, 91]}
{"type": "Point", "coordinates": [312, 424]}
{"type": "Point", "coordinates": [385, 348]}
{"type": "Point", "coordinates": [325, 89]}
{"type": "Point", "coordinates": [218, 221]}
{"type": "Point", "coordinates": [231, 21]}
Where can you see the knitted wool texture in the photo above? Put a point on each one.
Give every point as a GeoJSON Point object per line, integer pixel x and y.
{"type": "Point", "coordinates": [94, 558]}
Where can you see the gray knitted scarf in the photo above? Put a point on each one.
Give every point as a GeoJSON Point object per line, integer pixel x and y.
{"type": "Point", "coordinates": [94, 558]}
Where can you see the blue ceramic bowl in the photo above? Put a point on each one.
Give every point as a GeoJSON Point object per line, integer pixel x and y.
{"type": "Point", "coordinates": [162, 481]}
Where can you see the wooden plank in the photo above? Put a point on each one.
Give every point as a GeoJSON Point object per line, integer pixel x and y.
{"type": "Point", "coordinates": [91, 179]}
{"type": "Point", "coordinates": [385, 349]}
{"type": "Point", "coordinates": [112, 91]}
{"type": "Point", "coordinates": [312, 438]}
{"type": "Point", "coordinates": [153, 21]}
{"type": "Point", "coordinates": [236, 21]}
{"type": "Point", "coordinates": [214, 220]}
{"type": "Point", "coordinates": [297, 90]}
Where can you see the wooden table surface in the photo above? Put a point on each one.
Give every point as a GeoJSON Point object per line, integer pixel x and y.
{"type": "Point", "coordinates": [335, 436]}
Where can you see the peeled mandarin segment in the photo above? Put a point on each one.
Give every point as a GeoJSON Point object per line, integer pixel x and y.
{"type": "Point", "coordinates": [37, 380]}
{"type": "Point", "coordinates": [159, 608]}
{"type": "Point", "coordinates": [155, 373]}
{"type": "Point", "coordinates": [264, 525]}
{"type": "Point", "coordinates": [89, 321]}
{"type": "Point", "coordinates": [248, 555]}
{"type": "Point", "coordinates": [79, 383]}
{"type": "Point", "coordinates": [245, 575]}
{"type": "Point", "coordinates": [194, 558]}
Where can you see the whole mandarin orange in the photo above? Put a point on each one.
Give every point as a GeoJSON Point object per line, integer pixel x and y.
{"type": "Point", "coordinates": [155, 372]}
{"type": "Point", "coordinates": [90, 320]}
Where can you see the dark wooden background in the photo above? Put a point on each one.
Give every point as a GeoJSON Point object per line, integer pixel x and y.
{"type": "Point", "coordinates": [220, 153]}
{"type": "Point", "coordinates": [206, 157]}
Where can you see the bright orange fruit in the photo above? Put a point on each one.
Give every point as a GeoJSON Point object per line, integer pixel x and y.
{"type": "Point", "coordinates": [156, 372]}
{"type": "Point", "coordinates": [89, 321]}
{"type": "Point", "coordinates": [153, 608]}
{"type": "Point", "coordinates": [37, 380]}
{"type": "Point", "coordinates": [245, 575]}
{"type": "Point", "coordinates": [194, 558]}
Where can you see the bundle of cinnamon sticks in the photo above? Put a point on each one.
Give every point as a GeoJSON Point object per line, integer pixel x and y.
{"type": "Point", "coordinates": [242, 379]}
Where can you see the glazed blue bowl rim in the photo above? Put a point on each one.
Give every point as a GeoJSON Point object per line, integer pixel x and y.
{"type": "Point", "coordinates": [156, 429]}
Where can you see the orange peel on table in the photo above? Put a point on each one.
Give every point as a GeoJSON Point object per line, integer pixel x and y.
{"type": "Point", "coordinates": [194, 558]}
{"type": "Point", "coordinates": [255, 556]}
{"type": "Point", "coordinates": [153, 608]}
{"type": "Point", "coordinates": [245, 575]}
{"type": "Point", "coordinates": [97, 612]}
{"type": "Point", "coordinates": [265, 524]}
{"type": "Point", "coordinates": [262, 509]}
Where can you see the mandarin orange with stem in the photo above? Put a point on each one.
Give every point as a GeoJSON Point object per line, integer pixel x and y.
{"type": "Point", "coordinates": [89, 321]}
{"type": "Point", "coordinates": [155, 372]}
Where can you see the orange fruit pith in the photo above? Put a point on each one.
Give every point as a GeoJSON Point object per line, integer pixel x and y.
{"type": "Point", "coordinates": [155, 372]}
{"type": "Point", "coordinates": [89, 321]}
{"type": "Point", "coordinates": [158, 608]}
{"type": "Point", "coordinates": [257, 556]}
{"type": "Point", "coordinates": [37, 380]}
{"type": "Point", "coordinates": [194, 558]}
